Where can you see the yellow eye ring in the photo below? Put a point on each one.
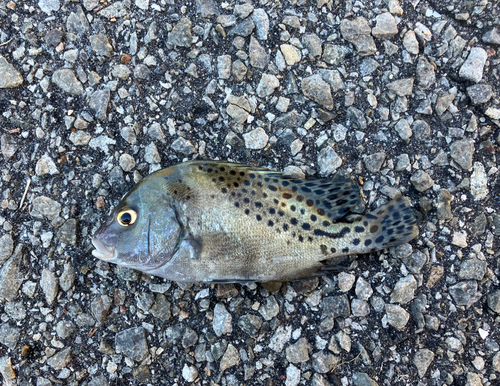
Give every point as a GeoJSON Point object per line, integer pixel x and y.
{"type": "Point", "coordinates": [126, 217]}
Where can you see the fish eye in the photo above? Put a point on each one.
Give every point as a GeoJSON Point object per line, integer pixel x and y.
{"type": "Point", "coordinates": [126, 217]}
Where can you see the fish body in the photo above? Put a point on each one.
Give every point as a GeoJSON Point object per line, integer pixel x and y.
{"type": "Point", "coordinates": [209, 221]}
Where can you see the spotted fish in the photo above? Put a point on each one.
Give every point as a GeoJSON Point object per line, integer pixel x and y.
{"type": "Point", "coordinates": [209, 221]}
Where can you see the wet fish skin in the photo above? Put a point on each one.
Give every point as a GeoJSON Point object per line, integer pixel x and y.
{"type": "Point", "coordinates": [209, 221]}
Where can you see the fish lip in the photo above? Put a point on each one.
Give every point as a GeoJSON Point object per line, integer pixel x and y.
{"type": "Point", "coordinates": [103, 251]}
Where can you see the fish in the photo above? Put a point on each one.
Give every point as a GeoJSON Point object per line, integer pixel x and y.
{"type": "Point", "coordinates": [221, 222]}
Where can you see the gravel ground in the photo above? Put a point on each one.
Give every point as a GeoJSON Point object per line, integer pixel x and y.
{"type": "Point", "coordinates": [404, 96]}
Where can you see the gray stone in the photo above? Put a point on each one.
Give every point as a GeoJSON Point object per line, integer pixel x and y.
{"type": "Point", "coordinates": [90, 4]}
{"type": "Point", "coordinates": [189, 373]}
{"type": "Point", "coordinates": [402, 127]}
{"type": "Point", "coordinates": [462, 152]}
{"type": "Point", "coordinates": [6, 247]}
{"type": "Point", "coordinates": [335, 54]}
{"type": "Point", "coordinates": [422, 360]}
{"type": "Point", "coordinates": [479, 182]}
{"type": "Point", "coordinates": [161, 308]}
{"type": "Point", "coordinates": [45, 207]}
{"type": "Point", "coordinates": [291, 54]}
{"type": "Point", "coordinates": [142, 4]}
{"type": "Point", "coordinates": [386, 26]}
{"type": "Point", "coordinates": [417, 310]}
{"type": "Point", "coordinates": [473, 379]}
{"type": "Point", "coordinates": [64, 329]}
{"type": "Point", "coordinates": [480, 93]}
{"type": "Point", "coordinates": [67, 232]}
{"type": "Point", "coordinates": [230, 358]}
{"type": "Point", "coordinates": [49, 6]}
{"type": "Point", "coordinates": [60, 360]}
{"type": "Point", "coordinates": [77, 22]}
{"type": "Point", "coordinates": [15, 310]}
{"type": "Point", "coordinates": [360, 308]}
{"type": "Point", "coordinates": [397, 316]}
{"type": "Point", "coordinates": [401, 87]}
{"type": "Point", "coordinates": [336, 306]}
{"type": "Point", "coordinates": [415, 261]}
{"type": "Point", "coordinates": [142, 72]}
{"type": "Point", "coordinates": [80, 138]}
{"type": "Point", "coordinates": [189, 338]}
{"type": "Point", "coordinates": [132, 343]}
{"type": "Point", "coordinates": [259, 58]}
{"type": "Point", "coordinates": [323, 362]}
{"type": "Point", "coordinates": [472, 69]}
{"type": "Point", "coordinates": [357, 117]}
{"type": "Point", "coordinates": [101, 46]}
{"type": "Point", "coordinates": [328, 161]}
{"type": "Point", "coordinates": [298, 352]}
{"type": "Point", "coordinates": [100, 307]}
{"type": "Point", "coordinates": [268, 83]}
{"type": "Point", "coordinates": [50, 285]}
{"type": "Point", "coordinates": [222, 322]}
{"type": "Point", "coordinates": [478, 227]}
{"type": "Point", "coordinates": [243, 28]}
{"type": "Point", "coordinates": [7, 371]}
{"type": "Point", "coordinates": [280, 338]}
{"type": "Point", "coordinates": [346, 281]}
{"type": "Point", "coordinates": [357, 32]}
{"type": "Point", "coordinates": [9, 76]}
{"type": "Point", "coordinates": [464, 293]}
{"type": "Point", "coordinates": [404, 290]}
{"type": "Point", "coordinates": [368, 66]}
{"type": "Point", "coordinates": [410, 43]}
{"type": "Point", "coordinates": [426, 75]}
{"type": "Point", "coordinates": [9, 145]}
{"type": "Point", "coordinates": [115, 10]}
{"type": "Point", "coordinates": [492, 36]}
{"type": "Point", "coordinates": [316, 89]}
{"type": "Point", "coordinates": [494, 301]}
{"type": "Point", "coordinates": [292, 375]}
{"type": "Point", "coordinates": [250, 324]}
{"type": "Point", "coordinates": [207, 8]}
{"type": "Point", "coordinates": [151, 155]}
{"type": "Point", "coordinates": [66, 80]}
{"type": "Point", "coordinates": [239, 71]}
{"type": "Point", "coordinates": [374, 162]}
{"type": "Point", "coordinates": [144, 301]}
{"type": "Point", "coordinates": [9, 335]}
{"type": "Point", "coordinates": [313, 44]}
{"type": "Point", "coordinates": [126, 162]}
{"type": "Point", "coordinates": [421, 181]}
{"type": "Point", "coordinates": [99, 102]}
{"type": "Point", "coordinates": [472, 269]}
{"type": "Point", "coordinates": [270, 308]}
{"type": "Point", "coordinates": [333, 78]}
{"type": "Point", "coordinates": [293, 119]}
{"type": "Point", "coordinates": [121, 71]}
{"type": "Point", "coordinates": [67, 278]}
{"type": "Point", "coordinates": [261, 21]}
{"type": "Point", "coordinates": [362, 379]}
{"type": "Point", "coordinates": [256, 139]}
{"type": "Point", "coordinates": [363, 289]}
{"type": "Point", "coordinates": [181, 35]}
{"type": "Point", "coordinates": [443, 102]}
{"type": "Point", "coordinates": [421, 129]}
{"type": "Point", "coordinates": [224, 66]}
{"type": "Point", "coordinates": [496, 362]}
{"type": "Point", "coordinates": [45, 165]}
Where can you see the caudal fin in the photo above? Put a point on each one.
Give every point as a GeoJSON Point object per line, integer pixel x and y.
{"type": "Point", "coordinates": [389, 226]}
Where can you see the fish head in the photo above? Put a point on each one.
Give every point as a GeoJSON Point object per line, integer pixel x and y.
{"type": "Point", "coordinates": [142, 232]}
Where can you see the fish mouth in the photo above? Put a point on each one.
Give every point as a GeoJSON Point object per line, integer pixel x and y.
{"type": "Point", "coordinates": [103, 251]}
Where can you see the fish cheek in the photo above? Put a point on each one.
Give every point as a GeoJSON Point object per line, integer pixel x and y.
{"type": "Point", "coordinates": [164, 235]}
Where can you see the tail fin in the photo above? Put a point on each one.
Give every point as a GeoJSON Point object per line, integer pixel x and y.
{"type": "Point", "coordinates": [389, 226]}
